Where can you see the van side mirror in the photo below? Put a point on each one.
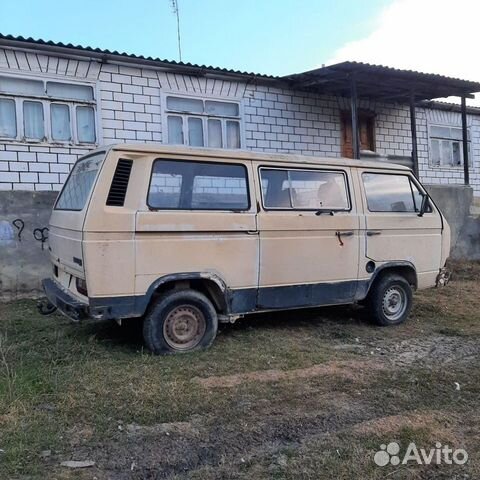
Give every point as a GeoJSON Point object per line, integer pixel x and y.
{"type": "Point", "coordinates": [424, 206]}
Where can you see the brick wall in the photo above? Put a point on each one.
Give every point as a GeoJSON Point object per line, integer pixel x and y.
{"type": "Point", "coordinates": [129, 109]}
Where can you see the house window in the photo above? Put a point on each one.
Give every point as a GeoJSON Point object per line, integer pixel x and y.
{"type": "Point", "coordinates": [446, 148]}
{"type": "Point", "coordinates": [8, 118]}
{"type": "Point", "coordinates": [33, 122]}
{"type": "Point", "coordinates": [203, 123]}
{"type": "Point", "coordinates": [46, 111]}
{"type": "Point", "coordinates": [366, 130]}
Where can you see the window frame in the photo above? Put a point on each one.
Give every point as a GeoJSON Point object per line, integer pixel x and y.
{"type": "Point", "coordinates": [411, 179]}
{"type": "Point", "coordinates": [47, 101]}
{"type": "Point", "coordinates": [247, 184]}
{"type": "Point", "coordinates": [450, 140]}
{"type": "Point", "coordinates": [166, 112]}
{"type": "Point", "coordinates": [293, 209]}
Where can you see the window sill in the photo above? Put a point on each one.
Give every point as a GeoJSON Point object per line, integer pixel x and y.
{"type": "Point", "coordinates": [446, 167]}
{"type": "Point", "coordinates": [41, 143]}
{"type": "Point", "coordinates": [369, 153]}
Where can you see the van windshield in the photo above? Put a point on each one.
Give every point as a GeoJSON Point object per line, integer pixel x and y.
{"type": "Point", "coordinates": [80, 182]}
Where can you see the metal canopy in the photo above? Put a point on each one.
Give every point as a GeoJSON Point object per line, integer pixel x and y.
{"type": "Point", "coordinates": [380, 83]}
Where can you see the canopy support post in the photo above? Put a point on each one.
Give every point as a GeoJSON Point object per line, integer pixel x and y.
{"type": "Point", "coordinates": [466, 173]}
{"type": "Point", "coordinates": [354, 110]}
{"type": "Point", "coordinates": [413, 128]}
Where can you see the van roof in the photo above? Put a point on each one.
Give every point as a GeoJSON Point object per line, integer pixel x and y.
{"type": "Point", "coordinates": [250, 155]}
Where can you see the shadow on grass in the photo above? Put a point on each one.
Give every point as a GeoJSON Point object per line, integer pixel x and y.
{"type": "Point", "coordinates": [333, 322]}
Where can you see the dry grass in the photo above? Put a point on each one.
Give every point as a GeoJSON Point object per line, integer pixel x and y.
{"type": "Point", "coordinates": [306, 394]}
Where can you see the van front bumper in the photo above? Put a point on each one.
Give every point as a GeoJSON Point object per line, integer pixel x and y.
{"type": "Point", "coordinates": [65, 301]}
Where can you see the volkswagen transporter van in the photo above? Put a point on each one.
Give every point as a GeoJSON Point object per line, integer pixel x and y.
{"type": "Point", "coordinates": [185, 238]}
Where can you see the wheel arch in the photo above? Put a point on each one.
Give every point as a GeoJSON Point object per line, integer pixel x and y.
{"type": "Point", "coordinates": [210, 284]}
{"type": "Point", "coordinates": [404, 268]}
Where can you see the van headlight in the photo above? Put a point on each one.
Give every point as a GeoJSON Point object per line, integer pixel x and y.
{"type": "Point", "coordinates": [81, 285]}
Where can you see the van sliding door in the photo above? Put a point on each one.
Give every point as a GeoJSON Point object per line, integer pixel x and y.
{"type": "Point", "coordinates": [309, 237]}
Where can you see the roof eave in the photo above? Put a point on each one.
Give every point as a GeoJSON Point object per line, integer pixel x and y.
{"type": "Point", "coordinates": [103, 56]}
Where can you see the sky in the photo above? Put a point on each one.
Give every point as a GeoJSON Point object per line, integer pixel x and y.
{"type": "Point", "coordinates": [275, 37]}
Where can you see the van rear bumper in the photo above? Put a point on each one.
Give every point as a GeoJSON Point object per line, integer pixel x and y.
{"type": "Point", "coordinates": [64, 301]}
{"type": "Point", "coordinates": [96, 308]}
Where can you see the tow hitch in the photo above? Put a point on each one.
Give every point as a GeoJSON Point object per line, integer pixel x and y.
{"type": "Point", "coordinates": [45, 307]}
{"type": "Point", "coordinates": [443, 277]}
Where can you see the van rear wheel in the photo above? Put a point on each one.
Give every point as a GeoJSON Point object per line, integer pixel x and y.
{"type": "Point", "coordinates": [180, 321]}
{"type": "Point", "coordinates": [391, 300]}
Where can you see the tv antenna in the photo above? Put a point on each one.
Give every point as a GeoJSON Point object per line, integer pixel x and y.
{"type": "Point", "coordinates": [176, 12]}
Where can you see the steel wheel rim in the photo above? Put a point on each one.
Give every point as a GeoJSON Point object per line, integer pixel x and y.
{"type": "Point", "coordinates": [394, 303]}
{"type": "Point", "coordinates": [184, 327]}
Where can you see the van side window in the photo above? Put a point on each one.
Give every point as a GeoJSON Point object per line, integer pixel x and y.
{"type": "Point", "coordinates": [304, 189]}
{"type": "Point", "coordinates": [391, 193]}
{"type": "Point", "coordinates": [185, 185]}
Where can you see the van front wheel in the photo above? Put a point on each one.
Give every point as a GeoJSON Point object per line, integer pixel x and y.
{"type": "Point", "coordinates": [391, 300]}
{"type": "Point", "coordinates": [180, 321]}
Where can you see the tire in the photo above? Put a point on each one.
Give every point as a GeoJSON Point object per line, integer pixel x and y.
{"type": "Point", "coordinates": [390, 301]}
{"type": "Point", "coordinates": [181, 321]}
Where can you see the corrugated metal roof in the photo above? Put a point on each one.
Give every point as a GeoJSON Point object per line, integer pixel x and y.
{"type": "Point", "coordinates": [356, 66]}
{"type": "Point", "coordinates": [332, 76]}
{"type": "Point", "coordinates": [380, 82]}
{"type": "Point", "coordinates": [29, 42]}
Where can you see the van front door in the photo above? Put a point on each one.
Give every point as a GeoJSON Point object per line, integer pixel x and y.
{"type": "Point", "coordinates": [395, 231]}
{"type": "Point", "coordinates": [309, 237]}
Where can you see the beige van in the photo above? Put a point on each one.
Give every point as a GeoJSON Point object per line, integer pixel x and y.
{"type": "Point", "coordinates": [184, 238]}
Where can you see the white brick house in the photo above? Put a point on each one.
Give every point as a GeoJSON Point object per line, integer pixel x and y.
{"type": "Point", "coordinates": [57, 102]}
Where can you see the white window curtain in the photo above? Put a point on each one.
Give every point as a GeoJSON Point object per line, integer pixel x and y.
{"type": "Point", "coordinates": [195, 132]}
{"type": "Point", "coordinates": [33, 120]}
{"type": "Point", "coordinates": [233, 134]}
{"type": "Point", "coordinates": [175, 130]}
{"type": "Point", "coordinates": [215, 134]}
{"type": "Point", "coordinates": [60, 120]}
{"type": "Point", "coordinates": [8, 118]}
{"type": "Point", "coordinates": [86, 124]}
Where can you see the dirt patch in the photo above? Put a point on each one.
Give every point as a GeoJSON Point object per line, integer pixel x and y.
{"type": "Point", "coordinates": [181, 428]}
{"type": "Point", "coordinates": [434, 421]}
{"type": "Point", "coordinates": [347, 370]}
{"type": "Point", "coordinates": [433, 351]}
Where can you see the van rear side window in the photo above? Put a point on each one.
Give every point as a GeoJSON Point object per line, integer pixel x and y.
{"type": "Point", "coordinates": [79, 184]}
{"type": "Point", "coordinates": [185, 185]}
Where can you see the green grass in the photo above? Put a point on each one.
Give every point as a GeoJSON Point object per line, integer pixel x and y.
{"type": "Point", "coordinates": [76, 390]}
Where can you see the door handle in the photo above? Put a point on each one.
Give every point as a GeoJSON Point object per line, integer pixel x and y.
{"type": "Point", "coordinates": [339, 235]}
{"type": "Point", "coordinates": [252, 232]}
{"type": "Point", "coordinates": [371, 233]}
